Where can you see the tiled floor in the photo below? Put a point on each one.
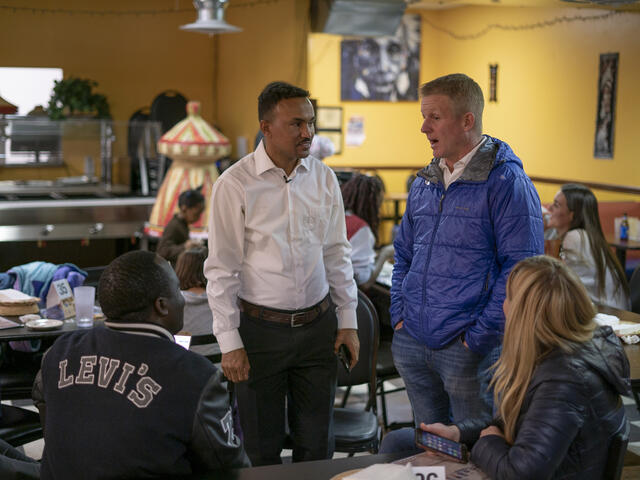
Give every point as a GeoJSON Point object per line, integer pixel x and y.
{"type": "Point", "coordinates": [399, 410]}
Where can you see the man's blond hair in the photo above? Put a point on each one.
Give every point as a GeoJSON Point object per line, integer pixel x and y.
{"type": "Point", "coordinates": [463, 91]}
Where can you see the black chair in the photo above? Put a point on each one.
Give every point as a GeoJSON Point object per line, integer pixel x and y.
{"type": "Point", "coordinates": [617, 450]}
{"type": "Point", "coordinates": [356, 430]}
{"type": "Point", "coordinates": [634, 289]}
{"type": "Point", "coordinates": [93, 275]}
{"type": "Point", "coordinates": [208, 339]}
{"type": "Point", "coordinates": [18, 372]}
{"type": "Point", "coordinates": [19, 425]}
{"type": "Point", "coordinates": [385, 368]}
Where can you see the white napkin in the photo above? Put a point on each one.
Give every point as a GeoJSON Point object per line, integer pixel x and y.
{"type": "Point", "coordinates": [384, 471]}
{"type": "Point", "coordinates": [630, 339]}
{"type": "Point", "coordinates": [603, 319]}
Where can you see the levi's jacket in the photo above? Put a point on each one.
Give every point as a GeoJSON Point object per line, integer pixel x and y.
{"type": "Point", "coordinates": [124, 401]}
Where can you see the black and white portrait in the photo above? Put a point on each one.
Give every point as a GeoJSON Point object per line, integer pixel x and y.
{"type": "Point", "coordinates": [383, 68]}
{"type": "Point", "coordinates": [606, 105]}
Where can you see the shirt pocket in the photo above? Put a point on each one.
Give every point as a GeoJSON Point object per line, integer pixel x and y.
{"type": "Point", "coordinates": [315, 224]}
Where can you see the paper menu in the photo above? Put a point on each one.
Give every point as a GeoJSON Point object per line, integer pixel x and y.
{"type": "Point", "coordinates": [6, 323]}
{"type": "Point", "coordinates": [10, 295]}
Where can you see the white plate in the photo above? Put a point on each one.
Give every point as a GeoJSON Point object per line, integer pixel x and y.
{"type": "Point", "coordinates": [44, 324]}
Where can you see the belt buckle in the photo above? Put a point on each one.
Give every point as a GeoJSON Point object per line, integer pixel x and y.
{"type": "Point", "coordinates": [293, 319]}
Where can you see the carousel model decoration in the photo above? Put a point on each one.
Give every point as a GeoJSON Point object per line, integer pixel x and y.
{"type": "Point", "coordinates": [194, 146]}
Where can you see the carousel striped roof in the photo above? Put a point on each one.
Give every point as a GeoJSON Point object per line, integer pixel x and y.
{"type": "Point", "coordinates": [194, 137]}
{"type": "Point", "coordinates": [6, 107]}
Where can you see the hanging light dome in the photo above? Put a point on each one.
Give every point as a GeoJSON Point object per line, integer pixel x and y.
{"type": "Point", "coordinates": [210, 18]}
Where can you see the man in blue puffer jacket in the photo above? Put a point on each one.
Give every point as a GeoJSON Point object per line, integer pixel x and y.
{"type": "Point", "coordinates": [471, 215]}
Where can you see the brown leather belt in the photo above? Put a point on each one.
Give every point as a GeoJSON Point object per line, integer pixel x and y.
{"type": "Point", "coordinates": [294, 318]}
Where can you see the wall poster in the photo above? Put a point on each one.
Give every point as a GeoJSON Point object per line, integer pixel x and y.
{"type": "Point", "coordinates": [382, 68]}
{"type": "Point", "coordinates": [605, 118]}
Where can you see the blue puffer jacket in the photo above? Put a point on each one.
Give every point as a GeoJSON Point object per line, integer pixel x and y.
{"type": "Point", "coordinates": [456, 247]}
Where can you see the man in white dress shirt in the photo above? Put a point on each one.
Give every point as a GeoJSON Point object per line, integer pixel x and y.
{"type": "Point", "coordinates": [277, 248]}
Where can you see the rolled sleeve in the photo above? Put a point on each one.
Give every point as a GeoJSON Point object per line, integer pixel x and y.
{"type": "Point", "coordinates": [337, 264]}
{"type": "Point", "coordinates": [222, 267]}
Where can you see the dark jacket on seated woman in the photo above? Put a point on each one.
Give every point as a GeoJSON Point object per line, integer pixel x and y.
{"type": "Point", "coordinates": [571, 405]}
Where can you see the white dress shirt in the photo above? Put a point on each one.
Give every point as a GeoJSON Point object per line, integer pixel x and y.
{"type": "Point", "coordinates": [576, 253]}
{"type": "Point", "coordinates": [276, 241]}
{"type": "Point", "coordinates": [458, 167]}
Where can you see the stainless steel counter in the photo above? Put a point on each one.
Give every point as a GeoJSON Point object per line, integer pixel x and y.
{"type": "Point", "coordinates": [73, 218]}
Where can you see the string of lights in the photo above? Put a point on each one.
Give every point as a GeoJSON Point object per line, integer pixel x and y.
{"type": "Point", "coordinates": [530, 26]}
{"type": "Point", "coordinates": [121, 13]}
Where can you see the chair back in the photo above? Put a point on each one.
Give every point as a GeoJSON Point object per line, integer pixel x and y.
{"type": "Point", "coordinates": [208, 339]}
{"type": "Point", "coordinates": [368, 333]}
{"type": "Point", "coordinates": [617, 449]}
{"type": "Point", "coordinates": [634, 290]}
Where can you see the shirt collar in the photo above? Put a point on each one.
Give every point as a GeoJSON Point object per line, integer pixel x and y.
{"type": "Point", "coordinates": [146, 329]}
{"type": "Point", "coordinates": [462, 163]}
{"type": "Point", "coordinates": [264, 163]}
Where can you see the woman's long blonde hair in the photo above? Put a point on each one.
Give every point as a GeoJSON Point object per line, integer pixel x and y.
{"type": "Point", "coordinates": [548, 309]}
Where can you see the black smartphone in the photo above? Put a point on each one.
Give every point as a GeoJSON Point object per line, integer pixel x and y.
{"type": "Point", "coordinates": [345, 357]}
{"type": "Point", "coordinates": [455, 450]}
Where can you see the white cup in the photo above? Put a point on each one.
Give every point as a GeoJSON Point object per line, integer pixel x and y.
{"type": "Point", "coordinates": [84, 299]}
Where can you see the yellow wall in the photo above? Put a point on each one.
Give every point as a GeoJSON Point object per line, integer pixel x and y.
{"type": "Point", "coordinates": [133, 58]}
{"type": "Point", "coordinates": [272, 47]}
{"type": "Point", "coordinates": [547, 81]}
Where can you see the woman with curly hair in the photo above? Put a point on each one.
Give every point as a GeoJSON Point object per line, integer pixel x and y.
{"type": "Point", "coordinates": [362, 196]}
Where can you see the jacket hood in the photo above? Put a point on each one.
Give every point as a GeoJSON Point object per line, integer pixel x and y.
{"type": "Point", "coordinates": [191, 298]}
{"type": "Point", "coordinates": [491, 154]}
{"type": "Point", "coordinates": [605, 355]}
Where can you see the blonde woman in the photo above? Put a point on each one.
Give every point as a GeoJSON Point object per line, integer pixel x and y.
{"type": "Point", "coordinates": [557, 384]}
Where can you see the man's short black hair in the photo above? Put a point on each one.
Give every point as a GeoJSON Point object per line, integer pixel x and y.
{"type": "Point", "coordinates": [129, 286]}
{"type": "Point", "coordinates": [273, 93]}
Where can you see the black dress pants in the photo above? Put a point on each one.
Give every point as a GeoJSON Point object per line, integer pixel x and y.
{"type": "Point", "coordinates": [292, 366]}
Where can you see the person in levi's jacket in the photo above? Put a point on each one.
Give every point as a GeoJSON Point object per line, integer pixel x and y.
{"type": "Point", "coordinates": [471, 215]}
{"type": "Point", "coordinates": [123, 400]}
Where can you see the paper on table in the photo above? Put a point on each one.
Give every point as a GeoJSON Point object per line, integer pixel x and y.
{"type": "Point", "coordinates": [384, 471]}
{"type": "Point", "coordinates": [11, 296]}
{"type": "Point", "coordinates": [183, 340]}
{"type": "Point", "coordinates": [6, 323]}
{"type": "Point", "coordinates": [603, 319]}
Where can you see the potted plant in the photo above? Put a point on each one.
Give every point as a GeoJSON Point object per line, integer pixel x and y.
{"type": "Point", "coordinates": [74, 96]}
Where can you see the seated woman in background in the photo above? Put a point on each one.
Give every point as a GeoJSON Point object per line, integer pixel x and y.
{"type": "Point", "coordinates": [175, 237]}
{"type": "Point", "coordinates": [557, 384]}
{"type": "Point", "coordinates": [198, 319]}
{"type": "Point", "coordinates": [362, 196]}
{"type": "Point", "coordinates": [574, 215]}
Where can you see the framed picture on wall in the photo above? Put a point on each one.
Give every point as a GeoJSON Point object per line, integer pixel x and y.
{"type": "Point", "coordinates": [329, 118]}
{"type": "Point", "coordinates": [382, 68]}
{"type": "Point", "coordinates": [605, 117]}
{"type": "Point", "coordinates": [336, 139]}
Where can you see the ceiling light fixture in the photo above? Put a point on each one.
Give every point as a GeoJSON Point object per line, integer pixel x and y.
{"type": "Point", "coordinates": [210, 18]}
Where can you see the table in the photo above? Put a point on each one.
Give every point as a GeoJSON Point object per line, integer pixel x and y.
{"type": "Point", "coordinates": [23, 333]}
{"type": "Point", "coordinates": [632, 351]}
{"type": "Point", "coordinates": [396, 198]}
{"type": "Point", "coordinates": [325, 469]}
{"type": "Point", "coordinates": [621, 247]}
